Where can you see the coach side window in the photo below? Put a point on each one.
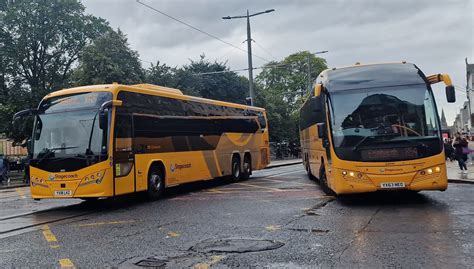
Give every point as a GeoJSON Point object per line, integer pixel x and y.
{"type": "Point", "coordinates": [123, 133]}
{"type": "Point", "coordinates": [262, 121]}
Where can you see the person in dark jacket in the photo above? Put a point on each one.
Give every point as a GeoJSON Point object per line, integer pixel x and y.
{"type": "Point", "coordinates": [4, 168]}
{"type": "Point", "coordinates": [448, 149]}
{"type": "Point", "coordinates": [460, 145]}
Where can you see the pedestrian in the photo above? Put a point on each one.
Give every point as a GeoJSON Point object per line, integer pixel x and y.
{"type": "Point", "coordinates": [461, 150]}
{"type": "Point", "coordinates": [279, 154]}
{"type": "Point", "coordinates": [3, 170]}
{"type": "Point", "coordinates": [448, 149]}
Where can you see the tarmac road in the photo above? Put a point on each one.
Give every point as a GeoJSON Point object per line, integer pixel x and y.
{"type": "Point", "coordinates": [278, 218]}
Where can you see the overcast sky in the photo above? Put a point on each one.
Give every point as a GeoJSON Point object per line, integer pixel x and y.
{"type": "Point", "coordinates": [437, 35]}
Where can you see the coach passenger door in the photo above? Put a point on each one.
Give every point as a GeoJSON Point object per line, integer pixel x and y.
{"type": "Point", "coordinates": [124, 158]}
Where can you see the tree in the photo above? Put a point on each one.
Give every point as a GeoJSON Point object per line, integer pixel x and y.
{"type": "Point", "coordinates": [108, 59]}
{"type": "Point", "coordinates": [161, 74]}
{"type": "Point", "coordinates": [40, 41]}
{"type": "Point", "coordinates": [225, 86]}
{"type": "Point", "coordinates": [283, 87]}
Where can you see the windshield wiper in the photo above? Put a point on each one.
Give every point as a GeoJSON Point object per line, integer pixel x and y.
{"type": "Point", "coordinates": [51, 151]}
{"type": "Point", "coordinates": [365, 139]}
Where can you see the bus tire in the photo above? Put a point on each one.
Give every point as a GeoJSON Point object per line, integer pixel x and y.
{"type": "Point", "coordinates": [246, 167]}
{"type": "Point", "coordinates": [236, 172]}
{"type": "Point", "coordinates": [308, 171]}
{"type": "Point", "coordinates": [156, 182]}
{"type": "Point", "coordinates": [324, 182]}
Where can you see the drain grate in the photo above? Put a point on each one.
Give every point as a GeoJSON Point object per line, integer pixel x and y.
{"type": "Point", "coordinates": [236, 245]}
{"type": "Point", "coordinates": [152, 263]}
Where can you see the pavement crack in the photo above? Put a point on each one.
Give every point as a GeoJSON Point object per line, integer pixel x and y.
{"type": "Point", "coordinates": [357, 233]}
{"type": "Point", "coordinates": [312, 210]}
{"type": "Point", "coordinates": [310, 230]}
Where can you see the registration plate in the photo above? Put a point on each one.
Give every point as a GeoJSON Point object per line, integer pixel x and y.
{"type": "Point", "coordinates": [63, 193]}
{"type": "Point", "coordinates": [392, 185]}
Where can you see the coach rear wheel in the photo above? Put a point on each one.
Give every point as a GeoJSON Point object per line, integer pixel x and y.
{"type": "Point", "coordinates": [156, 183]}
{"type": "Point", "coordinates": [236, 173]}
{"type": "Point", "coordinates": [247, 168]}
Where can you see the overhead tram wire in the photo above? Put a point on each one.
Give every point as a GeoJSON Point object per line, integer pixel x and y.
{"type": "Point", "coordinates": [228, 52]}
{"type": "Point", "coordinates": [199, 30]}
{"type": "Point", "coordinates": [265, 50]}
{"type": "Point", "coordinates": [241, 70]}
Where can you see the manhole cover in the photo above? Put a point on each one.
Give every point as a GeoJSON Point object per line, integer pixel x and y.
{"type": "Point", "coordinates": [151, 263]}
{"type": "Point", "coordinates": [236, 245]}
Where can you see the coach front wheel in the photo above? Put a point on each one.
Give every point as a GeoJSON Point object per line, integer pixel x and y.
{"type": "Point", "coordinates": [156, 183]}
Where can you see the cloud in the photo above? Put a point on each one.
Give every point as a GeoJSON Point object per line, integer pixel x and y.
{"type": "Point", "coordinates": [434, 34]}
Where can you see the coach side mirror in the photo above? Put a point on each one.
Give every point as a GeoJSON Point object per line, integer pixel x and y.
{"type": "Point", "coordinates": [103, 119]}
{"type": "Point", "coordinates": [450, 94]}
{"type": "Point", "coordinates": [316, 104]}
{"type": "Point", "coordinates": [321, 130]}
{"type": "Point", "coordinates": [24, 113]}
{"type": "Point", "coordinates": [326, 143]}
{"type": "Point", "coordinates": [39, 127]}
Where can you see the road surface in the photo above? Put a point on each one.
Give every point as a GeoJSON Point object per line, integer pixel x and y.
{"type": "Point", "coordinates": [278, 218]}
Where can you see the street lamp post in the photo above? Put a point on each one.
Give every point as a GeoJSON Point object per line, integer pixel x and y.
{"type": "Point", "coordinates": [309, 67]}
{"type": "Point", "coordinates": [249, 48]}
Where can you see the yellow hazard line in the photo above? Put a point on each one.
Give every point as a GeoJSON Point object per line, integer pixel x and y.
{"type": "Point", "coordinates": [51, 238]}
{"type": "Point", "coordinates": [282, 181]}
{"type": "Point", "coordinates": [66, 263]}
{"type": "Point", "coordinates": [48, 235]}
{"type": "Point", "coordinates": [260, 187]}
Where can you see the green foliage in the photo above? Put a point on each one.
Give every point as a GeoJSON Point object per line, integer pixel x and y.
{"type": "Point", "coordinates": [227, 86]}
{"type": "Point", "coordinates": [283, 87]}
{"type": "Point", "coordinates": [40, 40]}
{"type": "Point", "coordinates": [161, 74]}
{"type": "Point", "coordinates": [108, 59]}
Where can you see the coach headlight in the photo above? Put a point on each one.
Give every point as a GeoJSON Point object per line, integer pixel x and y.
{"type": "Point", "coordinates": [95, 177]}
{"type": "Point", "coordinates": [352, 174]}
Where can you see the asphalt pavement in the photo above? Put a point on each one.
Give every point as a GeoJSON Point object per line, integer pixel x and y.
{"type": "Point", "coordinates": [278, 219]}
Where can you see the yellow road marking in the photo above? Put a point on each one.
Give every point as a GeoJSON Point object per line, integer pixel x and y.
{"type": "Point", "coordinates": [273, 228]}
{"type": "Point", "coordinates": [48, 235]}
{"type": "Point", "coordinates": [239, 191]}
{"type": "Point", "coordinates": [261, 187]}
{"type": "Point", "coordinates": [173, 234]}
{"type": "Point", "coordinates": [66, 263]}
{"type": "Point", "coordinates": [21, 193]}
{"type": "Point", "coordinates": [54, 246]}
{"type": "Point", "coordinates": [105, 223]}
{"type": "Point", "coordinates": [282, 181]}
{"type": "Point", "coordinates": [206, 265]}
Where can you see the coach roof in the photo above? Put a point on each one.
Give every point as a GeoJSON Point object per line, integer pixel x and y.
{"type": "Point", "coordinates": [371, 76]}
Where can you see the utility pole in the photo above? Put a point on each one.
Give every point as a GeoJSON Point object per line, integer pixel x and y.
{"type": "Point", "coordinates": [249, 48]}
{"type": "Point", "coordinates": [249, 56]}
{"type": "Point", "coordinates": [308, 62]}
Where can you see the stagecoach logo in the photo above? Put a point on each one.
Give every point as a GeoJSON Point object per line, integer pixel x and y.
{"type": "Point", "coordinates": [175, 166]}
{"type": "Point", "coordinates": [60, 176]}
